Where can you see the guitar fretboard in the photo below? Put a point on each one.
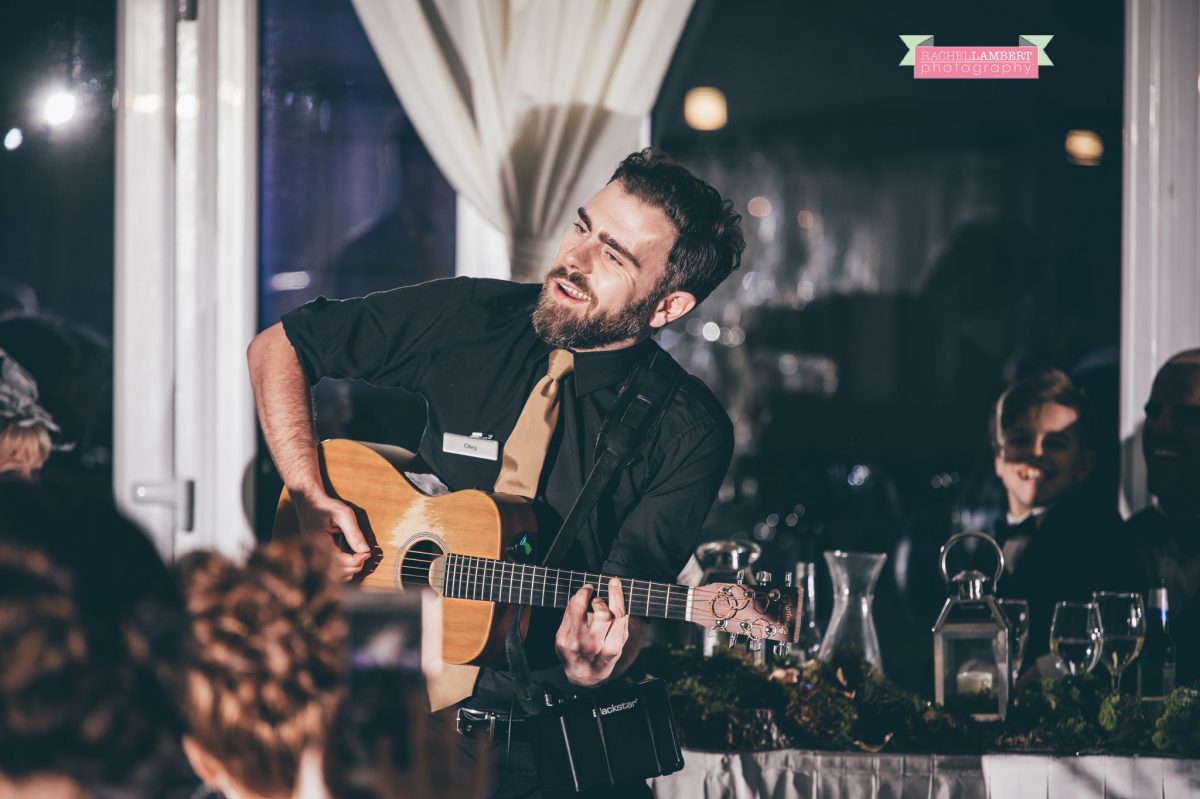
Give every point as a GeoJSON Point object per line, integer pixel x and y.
{"type": "Point", "coordinates": [468, 577]}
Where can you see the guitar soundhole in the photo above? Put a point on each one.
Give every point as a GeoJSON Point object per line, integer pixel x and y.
{"type": "Point", "coordinates": [417, 562]}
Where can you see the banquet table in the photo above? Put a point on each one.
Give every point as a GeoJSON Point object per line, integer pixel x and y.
{"type": "Point", "coordinates": [805, 774]}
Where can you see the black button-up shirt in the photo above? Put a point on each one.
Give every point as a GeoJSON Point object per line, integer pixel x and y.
{"type": "Point", "coordinates": [469, 348]}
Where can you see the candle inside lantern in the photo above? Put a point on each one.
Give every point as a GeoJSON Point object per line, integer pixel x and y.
{"type": "Point", "coordinates": [975, 679]}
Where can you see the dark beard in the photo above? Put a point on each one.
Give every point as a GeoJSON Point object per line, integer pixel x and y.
{"type": "Point", "coordinates": [561, 327]}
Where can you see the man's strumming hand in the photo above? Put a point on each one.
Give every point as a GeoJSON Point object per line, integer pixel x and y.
{"type": "Point", "coordinates": [320, 513]}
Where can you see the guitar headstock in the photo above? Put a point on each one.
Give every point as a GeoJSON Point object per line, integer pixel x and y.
{"type": "Point", "coordinates": [759, 612]}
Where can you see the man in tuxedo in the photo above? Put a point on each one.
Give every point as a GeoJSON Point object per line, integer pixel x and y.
{"type": "Point", "coordinates": [1167, 533]}
{"type": "Point", "coordinates": [1058, 542]}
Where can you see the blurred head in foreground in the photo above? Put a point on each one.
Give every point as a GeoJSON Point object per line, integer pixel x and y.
{"type": "Point", "coordinates": [263, 669]}
{"type": "Point", "coordinates": [90, 633]}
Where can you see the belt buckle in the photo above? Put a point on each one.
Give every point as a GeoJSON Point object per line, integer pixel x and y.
{"type": "Point", "coordinates": [470, 722]}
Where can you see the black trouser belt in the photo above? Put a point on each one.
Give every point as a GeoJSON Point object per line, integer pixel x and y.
{"type": "Point", "coordinates": [476, 723]}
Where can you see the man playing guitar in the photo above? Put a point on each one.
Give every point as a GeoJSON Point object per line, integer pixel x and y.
{"type": "Point", "coordinates": [643, 252]}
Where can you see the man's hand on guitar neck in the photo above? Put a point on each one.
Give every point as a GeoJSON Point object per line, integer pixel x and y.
{"type": "Point", "coordinates": [596, 646]}
{"type": "Point", "coordinates": [321, 513]}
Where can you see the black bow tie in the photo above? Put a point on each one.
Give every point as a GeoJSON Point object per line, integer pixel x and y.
{"type": "Point", "coordinates": [1027, 528]}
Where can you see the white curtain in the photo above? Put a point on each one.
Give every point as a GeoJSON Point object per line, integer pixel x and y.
{"type": "Point", "coordinates": [526, 105]}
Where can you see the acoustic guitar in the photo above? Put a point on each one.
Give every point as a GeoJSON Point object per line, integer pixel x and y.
{"type": "Point", "coordinates": [467, 546]}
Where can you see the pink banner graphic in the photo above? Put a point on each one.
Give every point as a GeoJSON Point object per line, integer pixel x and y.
{"type": "Point", "coordinates": [976, 62]}
{"type": "Point", "coordinates": [987, 63]}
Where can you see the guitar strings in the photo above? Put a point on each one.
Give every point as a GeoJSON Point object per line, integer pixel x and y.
{"type": "Point", "coordinates": [664, 603]}
{"type": "Point", "coordinates": [559, 599]}
{"type": "Point", "coordinates": [480, 575]}
{"type": "Point", "coordinates": [701, 595]}
{"type": "Point", "coordinates": [471, 574]}
{"type": "Point", "coordinates": [493, 570]}
{"type": "Point", "coordinates": [479, 564]}
{"type": "Point", "coordinates": [482, 566]}
{"type": "Point", "coordinates": [468, 582]}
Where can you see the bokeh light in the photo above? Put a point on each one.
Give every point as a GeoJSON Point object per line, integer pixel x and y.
{"type": "Point", "coordinates": [58, 108]}
{"type": "Point", "coordinates": [704, 108]}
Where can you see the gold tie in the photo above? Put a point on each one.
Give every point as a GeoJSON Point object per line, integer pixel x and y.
{"type": "Point", "coordinates": [525, 449]}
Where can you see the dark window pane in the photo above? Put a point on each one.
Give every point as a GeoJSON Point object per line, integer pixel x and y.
{"type": "Point", "coordinates": [57, 177]}
{"type": "Point", "coordinates": [350, 201]}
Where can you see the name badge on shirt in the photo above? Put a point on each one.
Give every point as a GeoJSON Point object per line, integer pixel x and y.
{"type": "Point", "coordinates": [473, 446]}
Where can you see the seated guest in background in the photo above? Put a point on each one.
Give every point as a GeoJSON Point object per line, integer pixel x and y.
{"type": "Point", "coordinates": [263, 670]}
{"type": "Point", "coordinates": [90, 630]}
{"type": "Point", "coordinates": [26, 429]}
{"type": "Point", "coordinates": [73, 368]}
{"type": "Point", "coordinates": [1058, 543]}
{"type": "Point", "coordinates": [1167, 534]}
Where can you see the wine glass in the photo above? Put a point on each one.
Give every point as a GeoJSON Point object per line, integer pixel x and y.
{"type": "Point", "coordinates": [1123, 620]}
{"type": "Point", "coordinates": [1016, 613]}
{"type": "Point", "coordinates": [1075, 634]}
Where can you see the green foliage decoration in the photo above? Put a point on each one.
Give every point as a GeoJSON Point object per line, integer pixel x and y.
{"type": "Point", "coordinates": [727, 703]}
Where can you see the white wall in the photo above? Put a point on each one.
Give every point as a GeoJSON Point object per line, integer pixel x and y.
{"type": "Point", "coordinates": [1161, 260]}
{"type": "Point", "coordinates": [186, 270]}
{"type": "Point", "coordinates": [143, 316]}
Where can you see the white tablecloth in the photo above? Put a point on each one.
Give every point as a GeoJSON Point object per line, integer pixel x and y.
{"type": "Point", "coordinates": [1022, 776]}
{"type": "Point", "coordinates": [799, 773]}
{"type": "Point", "coordinates": [802, 774]}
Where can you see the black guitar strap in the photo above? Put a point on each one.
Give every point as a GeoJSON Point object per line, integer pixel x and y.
{"type": "Point", "coordinates": [627, 430]}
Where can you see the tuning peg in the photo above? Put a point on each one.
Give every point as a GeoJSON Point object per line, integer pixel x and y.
{"type": "Point", "coordinates": [734, 640]}
{"type": "Point", "coordinates": [741, 576]}
{"type": "Point", "coordinates": [782, 649]}
{"type": "Point", "coordinates": [762, 577]}
{"type": "Point", "coordinates": [721, 624]}
{"type": "Point", "coordinates": [756, 644]}
{"type": "Point", "coordinates": [787, 579]}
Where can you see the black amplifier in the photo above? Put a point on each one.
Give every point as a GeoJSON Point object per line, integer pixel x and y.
{"type": "Point", "coordinates": [617, 732]}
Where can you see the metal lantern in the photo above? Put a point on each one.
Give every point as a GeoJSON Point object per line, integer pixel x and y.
{"type": "Point", "coordinates": [971, 669]}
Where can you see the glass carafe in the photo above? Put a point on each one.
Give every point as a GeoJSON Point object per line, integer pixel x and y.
{"type": "Point", "coordinates": [851, 637]}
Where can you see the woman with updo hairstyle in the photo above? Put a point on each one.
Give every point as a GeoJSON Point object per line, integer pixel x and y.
{"type": "Point", "coordinates": [90, 632]}
{"type": "Point", "coordinates": [263, 670]}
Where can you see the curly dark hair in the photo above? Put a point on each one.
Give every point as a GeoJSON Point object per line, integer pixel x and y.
{"type": "Point", "coordinates": [264, 668]}
{"type": "Point", "coordinates": [709, 244]}
{"type": "Point", "coordinates": [90, 634]}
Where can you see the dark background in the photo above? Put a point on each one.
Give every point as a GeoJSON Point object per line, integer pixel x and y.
{"type": "Point", "coordinates": [953, 247]}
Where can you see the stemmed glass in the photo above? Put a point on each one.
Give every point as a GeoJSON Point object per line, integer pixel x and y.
{"type": "Point", "coordinates": [1075, 635]}
{"type": "Point", "coordinates": [1016, 613]}
{"type": "Point", "coordinates": [1124, 622]}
